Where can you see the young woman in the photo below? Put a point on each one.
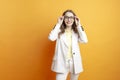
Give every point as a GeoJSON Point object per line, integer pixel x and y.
{"type": "Point", "coordinates": [67, 33]}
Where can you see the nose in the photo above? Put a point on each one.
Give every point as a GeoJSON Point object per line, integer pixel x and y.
{"type": "Point", "coordinates": [69, 19]}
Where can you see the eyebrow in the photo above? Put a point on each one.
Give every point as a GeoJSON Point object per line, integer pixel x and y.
{"type": "Point", "coordinates": [69, 16]}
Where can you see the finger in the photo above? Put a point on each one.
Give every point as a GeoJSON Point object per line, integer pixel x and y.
{"type": "Point", "coordinates": [62, 17]}
{"type": "Point", "coordinates": [77, 18]}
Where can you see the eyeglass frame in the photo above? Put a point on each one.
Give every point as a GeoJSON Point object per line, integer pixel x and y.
{"type": "Point", "coordinates": [67, 17]}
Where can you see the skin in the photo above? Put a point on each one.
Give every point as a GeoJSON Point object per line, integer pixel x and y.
{"type": "Point", "coordinates": [69, 19]}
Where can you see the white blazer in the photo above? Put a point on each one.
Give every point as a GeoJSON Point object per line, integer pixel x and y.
{"type": "Point", "coordinates": [58, 63]}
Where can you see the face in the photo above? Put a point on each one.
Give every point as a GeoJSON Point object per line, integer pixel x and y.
{"type": "Point", "coordinates": [69, 19]}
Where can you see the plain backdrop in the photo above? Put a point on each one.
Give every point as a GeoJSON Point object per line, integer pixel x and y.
{"type": "Point", "coordinates": [26, 53]}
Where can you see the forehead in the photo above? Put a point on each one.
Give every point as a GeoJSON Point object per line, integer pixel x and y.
{"type": "Point", "coordinates": [69, 14]}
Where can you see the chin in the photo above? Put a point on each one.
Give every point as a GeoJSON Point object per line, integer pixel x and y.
{"type": "Point", "coordinates": [69, 24]}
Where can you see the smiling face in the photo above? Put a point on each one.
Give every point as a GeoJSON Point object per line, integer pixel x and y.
{"type": "Point", "coordinates": [69, 19]}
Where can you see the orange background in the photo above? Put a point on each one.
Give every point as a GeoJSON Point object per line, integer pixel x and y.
{"type": "Point", "coordinates": [26, 53]}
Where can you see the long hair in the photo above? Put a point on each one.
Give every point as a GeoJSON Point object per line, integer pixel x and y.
{"type": "Point", "coordinates": [63, 26]}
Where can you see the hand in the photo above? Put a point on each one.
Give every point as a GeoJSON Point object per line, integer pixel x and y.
{"type": "Point", "coordinates": [60, 20]}
{"type": "Point", "coordinates": [77, 21]}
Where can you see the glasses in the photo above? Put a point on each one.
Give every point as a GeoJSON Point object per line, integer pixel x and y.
{"type": "Point", "coordinates": [67, 17]}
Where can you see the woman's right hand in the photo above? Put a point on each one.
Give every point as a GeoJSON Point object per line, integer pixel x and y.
{"type": "Point", "coordinates": [60, 20]}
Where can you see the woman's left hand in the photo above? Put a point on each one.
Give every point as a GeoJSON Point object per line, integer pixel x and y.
{"type": "Point", "coordinates": [77, 21]}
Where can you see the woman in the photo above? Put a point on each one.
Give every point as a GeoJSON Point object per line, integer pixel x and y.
{"type": "Point", "coordinates": [68, 32]}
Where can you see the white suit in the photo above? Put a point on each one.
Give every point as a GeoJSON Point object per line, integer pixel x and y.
{"type": "Point", "coordinates": [58, 64]}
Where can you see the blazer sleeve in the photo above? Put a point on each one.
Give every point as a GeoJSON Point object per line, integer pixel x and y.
{"type": "Point", "coordinates": [53, 35]}
{"type": "Point", "coordinates": [83, 36]}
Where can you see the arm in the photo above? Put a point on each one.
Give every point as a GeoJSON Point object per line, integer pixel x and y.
{"type": "Point", "coordinates": [53, 35]}
{"type": "Point", "coordinates": [83, 36]}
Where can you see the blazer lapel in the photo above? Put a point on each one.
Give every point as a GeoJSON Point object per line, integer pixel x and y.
{"type": "Point", "coordinates": [65, 39]}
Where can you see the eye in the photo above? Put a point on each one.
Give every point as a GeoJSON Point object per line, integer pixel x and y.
{"type": "Point", "coordinates": [67, 17]}
{"type": "Point", "coordinates": [72, 17]}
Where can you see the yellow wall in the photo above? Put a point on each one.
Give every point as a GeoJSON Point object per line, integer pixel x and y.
{"type": "Point", "coordinates": [26, 53]}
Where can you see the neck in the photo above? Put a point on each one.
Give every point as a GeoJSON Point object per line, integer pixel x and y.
{"type": "Point", "coordinates": [68, 27]}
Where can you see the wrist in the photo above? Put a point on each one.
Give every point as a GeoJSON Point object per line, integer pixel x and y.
{"type": "Point", "coordinates": [59, 23]}
{"type": "Point", "coordinates": [79, 25]}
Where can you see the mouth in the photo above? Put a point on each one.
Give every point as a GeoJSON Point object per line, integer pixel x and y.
{"type": "Point", "coordinates": [69, 22]}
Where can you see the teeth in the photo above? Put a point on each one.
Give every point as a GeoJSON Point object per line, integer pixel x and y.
{"type": "Point", "coordinates": [68, 22]}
